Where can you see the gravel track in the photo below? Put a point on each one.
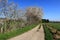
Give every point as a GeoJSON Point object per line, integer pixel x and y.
{"type": "Point", "coordinates": [31, 35]}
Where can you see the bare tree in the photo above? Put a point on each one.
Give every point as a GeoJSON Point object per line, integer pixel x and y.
{"type": "Point", "coordinates": [12, 11]}
{"type": "Point", "coordinates": [33, 14]}
{"type": "Point", "coordinates": [3, 7]}
{"type": "Point", "coordinates": [9, 11]}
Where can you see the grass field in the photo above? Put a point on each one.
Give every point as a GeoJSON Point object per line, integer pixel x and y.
{"type": "Point", "coordinates": [16, 32]}
{"type": "Point", "coordinates": [54, 25]}
{"type": "Point", "coordinates": [54, 29]}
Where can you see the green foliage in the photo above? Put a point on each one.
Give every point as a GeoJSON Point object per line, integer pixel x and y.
{"type": "Point", "coordinates": [45, 21]}
{"type": "Point", "coordinates": [48, 35]}
{"type": "Point", "coordinates": [16, 32]}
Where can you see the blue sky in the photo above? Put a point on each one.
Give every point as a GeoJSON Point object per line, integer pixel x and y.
{"type": "Point", "coordinates": [51, 8]}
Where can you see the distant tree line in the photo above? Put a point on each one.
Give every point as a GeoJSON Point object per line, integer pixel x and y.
{"type": "Point", "coordinates": [48, 21]}
{"type": "Point", "coordinates": [54, 21]}
{"type": "Point", "coordinates": [45, 20]}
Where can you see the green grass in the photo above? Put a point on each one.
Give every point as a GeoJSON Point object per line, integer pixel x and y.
{"type": "Point", "coordinates": [48, 35]}
{"type": "Point", "coordinates": [16, 32]}
{"type": "Point", "coordinates": [55, 25]}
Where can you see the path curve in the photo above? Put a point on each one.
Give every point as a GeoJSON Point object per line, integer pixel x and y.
{"type": "Point", "coordinates": [31, 35]}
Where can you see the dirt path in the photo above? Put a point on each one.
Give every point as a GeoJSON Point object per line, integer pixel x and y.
{"type": "Point", "coordinates": [31, 35]}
